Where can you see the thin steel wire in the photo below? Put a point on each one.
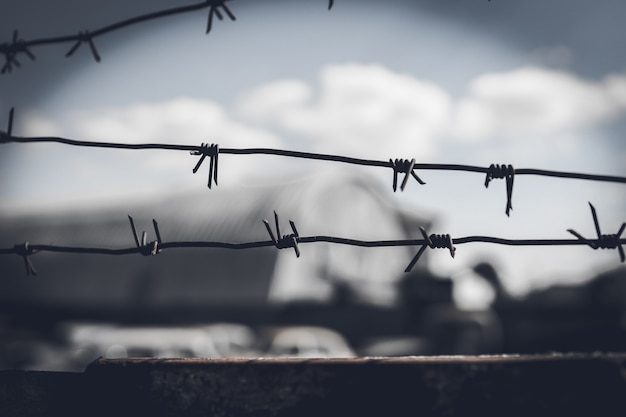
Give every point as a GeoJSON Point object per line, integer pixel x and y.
{"type": "Point", "coordinates": [433, 241]}
{"type": "Point", "coordinates": [35, 248]}
{"type": "Point", "coordinates": [198, 150]}
{"type": "Point", "coordinates": [138, 249]}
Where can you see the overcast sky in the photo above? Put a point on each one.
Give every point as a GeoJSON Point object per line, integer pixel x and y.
{"type": "Point", "coordinates": [534, 83]}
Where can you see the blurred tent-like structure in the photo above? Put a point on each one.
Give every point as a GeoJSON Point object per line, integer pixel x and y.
{"type": "Point", "coordinates": [190, 281]}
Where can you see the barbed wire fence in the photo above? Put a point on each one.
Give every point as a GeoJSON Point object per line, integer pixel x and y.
{"type": "Point", "coordinates": [217, 8]}
{"type": "Point", "coordinates": [292, 240]}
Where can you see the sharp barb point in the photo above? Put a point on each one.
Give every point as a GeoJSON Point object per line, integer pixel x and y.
{"type": "Point", "coordinates": [595, 220]}
{"type": "Point", "coordinates": [230, 14]}
{"type": "Point", "coordinates": [277, 225]}
{"type": "Point", "coordinates": [156, 231]}
{"type": "Point", "coordinates": [415, 258]}
{"type": "Point", "coordinates": [293, 228]}
{"type": "Point", "coordinates": [10, 125]}
{"type": "Point", "coordinates": [132, 226]}
{"type": "Point", "coordinates": [406, 175]}
{"type": "Point", "coordinates": [269, 230]}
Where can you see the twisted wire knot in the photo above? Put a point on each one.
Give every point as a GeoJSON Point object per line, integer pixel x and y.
{"type": "Point", "coordinates": [604, 241]}
{"type": "Point", "coordinates": [214, 9]}
{"type": "Point", "coordinates": [403, 166]}
{"type": "Point", "coordinates": [284, 241]}
{"type": "Point", "coordinates": [497, 171]}
{"type": "Point", "coordinates": [441, 242]}
{"type": "Point", "coordinates": [434, 242]}
{"type": "Point", "coordinates": [150, 249]}
{"type": "Point", "coordinates": [607, 242]}
{"type": "Point", "coordinates": [287, 241]}
{"type": "Point", "coordinates": [25, 251]}
{"type": "Point", "coordinates": [10, 51]}
{"type": "Point", "coordinates": [84, 37]}
{"type": "Point", "coordinates": [212, 151]}
{"type": "Point", "coordinates": [146, 248]}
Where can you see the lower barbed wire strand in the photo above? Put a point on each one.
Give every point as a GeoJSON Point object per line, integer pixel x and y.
{"type": "Point", "coordinates": [303, 239]}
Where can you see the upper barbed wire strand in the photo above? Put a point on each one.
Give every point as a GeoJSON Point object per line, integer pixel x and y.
{"type": "Point", "coordinates": [11, 49]}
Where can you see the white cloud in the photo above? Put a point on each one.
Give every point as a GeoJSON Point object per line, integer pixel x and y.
{"type": "Point", "coordinates": [276, 98]}
{"type": "Point", "coordinates": [179, 121]}
{"type": "Point", "coordinates": [362, 110]}
{"type": "Point", "coordinates": [537, 101]}
{"type": "Point", "coordinates": [372, 111]}
{"type": "Point", "coordinates": [188, 121]}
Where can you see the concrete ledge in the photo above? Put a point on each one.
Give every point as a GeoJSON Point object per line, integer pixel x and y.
{"type": "Point", "coordinates": [559, 384]}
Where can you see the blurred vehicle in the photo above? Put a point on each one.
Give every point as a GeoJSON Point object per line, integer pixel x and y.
{"type": "Point", "coordinates": [309, 342]}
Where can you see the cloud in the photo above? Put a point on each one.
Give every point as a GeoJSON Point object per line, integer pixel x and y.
{"type": "Point", "coordinates": [185, 120]}
{"type": "Point", "coordinates": [363, 110]}
{"type": "Point", "coordinates": [275, 99]}
{"type": "Point", "coordinates": [369, 109]}
{"type": "Point", "coordinates": [538, 101]}
{"type": "Point", "coordinates": [182, 120]}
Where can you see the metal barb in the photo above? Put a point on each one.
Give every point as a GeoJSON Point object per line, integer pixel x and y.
{"type": "Point", "coordinates": [285, 241]}
{"type": "Point", "coordinates": [10, 52]}
{"type": "Point", "coordinates": [84, 37]}
{"type": "Point", "coordinates": [502, 171]}
{"type": "Point", "coordinates": [10, 124]}
{"type": "Point", "coordinates": [330, 4]}
{"type": "Point", "coordinates": [5, 136]}
{"type": "Point", "coordinates": [214, 9]}
{"type": "Point", "coordinates": [609, 241]}
{"type": "Point", "coordinates": [146, 248]}
{"type": "Point", "coordinates": [406, 167]}
{"type": "Point", "coordinates": [25, 251]}
{"type": "Point", "coordinates": [432, 241]}
{"type": "Point", "coordinates": [212, 151]}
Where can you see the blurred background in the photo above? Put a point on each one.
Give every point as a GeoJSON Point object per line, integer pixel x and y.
{"type": "Point", "coordinates": [474, 82]}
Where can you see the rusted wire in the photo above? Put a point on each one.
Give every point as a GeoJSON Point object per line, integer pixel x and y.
{"type": "Point", "coordinates": [293, 240]}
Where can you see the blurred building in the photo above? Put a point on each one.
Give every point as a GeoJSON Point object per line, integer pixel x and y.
{"type": "Point", "coordinates": [192, 280]}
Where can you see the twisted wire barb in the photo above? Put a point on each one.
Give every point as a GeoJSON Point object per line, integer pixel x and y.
{"type": "Point", "coordinates": [17, 46]}
{"type": "Point", "coordinates": [610, 241]}
{"type": "Point", "coordinates": [212, 151]}
{"type": "Point", "coordinates": [285, 241]}
{"type": "Point", "coordinates": [294, 239]}
{"type": "Point", "coordinates": [25, 251]}
{"type": "Point", "coordinates": [502, 171]}
{"type": "Point", "coordinates": [145, 248]}
{"type": "Point", "coordinates": [10, 52]}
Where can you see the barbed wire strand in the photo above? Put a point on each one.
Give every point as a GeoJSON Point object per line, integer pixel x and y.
{"type": "Point", "coordinates": [293, 240]}
{"type": "Point", "coordinates": [198, 150]}
{"type": "Point", "coordinates": [12, 49]}
{"type": "Point", "coordinates": [408, 167]}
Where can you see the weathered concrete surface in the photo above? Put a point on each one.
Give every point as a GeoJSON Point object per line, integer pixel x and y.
{"type": "Point", "coordinates": [426, 386]}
